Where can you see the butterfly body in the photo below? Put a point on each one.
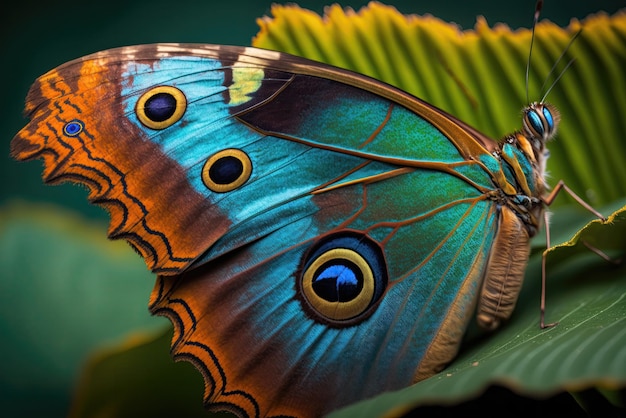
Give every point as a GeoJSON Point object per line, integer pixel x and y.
{"type": "Point", "coordinates": [319, 236]}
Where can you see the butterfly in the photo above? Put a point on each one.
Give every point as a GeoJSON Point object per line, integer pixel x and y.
{"type": "Point", "coordinates": [319, 236]}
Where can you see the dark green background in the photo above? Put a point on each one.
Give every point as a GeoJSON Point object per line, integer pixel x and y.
{"type": "Point", "coordinates": [37, 36]}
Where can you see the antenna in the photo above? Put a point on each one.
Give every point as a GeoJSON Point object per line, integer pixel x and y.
{"type": "Point", "coordinates": [538, 8]}
{"type": "Point", "coordinates": [557, 79]}
{"type": "Point", "coordinates": [557, 62]}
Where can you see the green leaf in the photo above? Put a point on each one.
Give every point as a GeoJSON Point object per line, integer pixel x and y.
{"type": "Point", "coordinates": [82, 291]}
{"type": "Point", "coordinates": [139, 379]}
{"type": "Point", "coordinates": [608, 237]}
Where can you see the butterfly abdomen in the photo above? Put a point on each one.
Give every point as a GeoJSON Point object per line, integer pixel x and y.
{"type": "Point", "coordinates": [505, 271]}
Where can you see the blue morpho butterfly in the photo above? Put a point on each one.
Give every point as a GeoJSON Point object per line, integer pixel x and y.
{"type": "Point", "coordinates": [320, 237]}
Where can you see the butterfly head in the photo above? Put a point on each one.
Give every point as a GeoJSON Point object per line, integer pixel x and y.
{"type": "Point", "coordinates": [539, 125]}
{"type": "Point", "coordinates": [540, 122]}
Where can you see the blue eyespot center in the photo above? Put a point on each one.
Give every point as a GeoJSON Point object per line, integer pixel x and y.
{"type": "Point", "coordinates": [338, 281]}
{"type": "Point", "coordinates": [73, 127]}
{"type": "Point", "coordinates": [226, 170]}
{"type": "Point", "coordinates": [160, 107]}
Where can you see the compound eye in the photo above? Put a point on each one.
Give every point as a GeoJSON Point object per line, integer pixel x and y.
{"type": "Point", "coordinates": [548, 118]}
{"type": "Point", "coordinates": [534, 123]}
{"type": "Point", "coordinates": [540, 121]}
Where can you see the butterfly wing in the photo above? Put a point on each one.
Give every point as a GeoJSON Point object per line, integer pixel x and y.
{"type": "Point", "coordinates": [320, 236]}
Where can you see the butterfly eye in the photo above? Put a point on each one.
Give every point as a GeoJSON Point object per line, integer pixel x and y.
{"type": "Point", "coordinates": [539, 121]}
{"type": "Point", "coordinates": [547, 115]}
{"type": "Point", "coordinates": [161, 107]}
{"type": "Point", "coordinates": [73, 128]}
{"type": "Point", "coordinates": [343, 278]}
{"type": "Point", "coordinates": [226, 170]}
{"type": "Point", "coordinates": [534, 123]}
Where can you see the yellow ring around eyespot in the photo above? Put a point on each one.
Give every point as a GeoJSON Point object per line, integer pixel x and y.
{"type": "Point", "coordinates": [243, 177]}
{"type": "Point", "coordinates": [339, 311]}
{"type": "Point", "coordinates": [181, 106]}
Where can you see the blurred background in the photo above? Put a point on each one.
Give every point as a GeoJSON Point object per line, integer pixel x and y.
{"type": "Point", "coordinates": [51, 318]}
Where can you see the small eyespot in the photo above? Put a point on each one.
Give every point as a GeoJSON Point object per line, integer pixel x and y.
{"type": "Point", "coordinates": [73, 128]}
{"type": "Point", "coordinates": [343, 277]}
{"type": "Point", "coordinates": [226, 170]}
{"type": "Point", "coordinates": [161, 107]}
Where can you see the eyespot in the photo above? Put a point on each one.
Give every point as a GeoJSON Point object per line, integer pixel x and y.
{"type": "Point", "coordinates": [73, 127]}
{"type": "Point", "coordinates": [226, 170]}
{"type": "Point", "coordinates": [161, 107]}
{"type": "Point", "coordinates": [343, 277]}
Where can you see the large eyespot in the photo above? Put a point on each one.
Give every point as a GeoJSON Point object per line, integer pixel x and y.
{"type": "Point", "coordinates": [343, 276]}
{"type": "Point", "coordinates": [73, 127]}
{"type": "Point", "coordinates": [161, 107]}
{"type": "Point", "coordinates": [540, 121]}
{"type": "Point", "coordinates": [226, 170]}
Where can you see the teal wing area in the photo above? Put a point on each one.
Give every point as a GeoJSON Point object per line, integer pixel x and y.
{"type": "Point", "coordinates": [325, 113]}
{"type": "Point", "coordinates": [319, 134]}
{"type": "Point", "coordinates": [349, 194]}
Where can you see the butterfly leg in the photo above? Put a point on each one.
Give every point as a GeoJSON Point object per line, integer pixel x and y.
{"type": "Point", "coordinates": [542, 307]}
{"type": "Point", "coordinates": [602, 254]}
{"type": "Point", "coordinates": [548, 201]}
{"type": "Point", "coordinates": [561, 185]}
